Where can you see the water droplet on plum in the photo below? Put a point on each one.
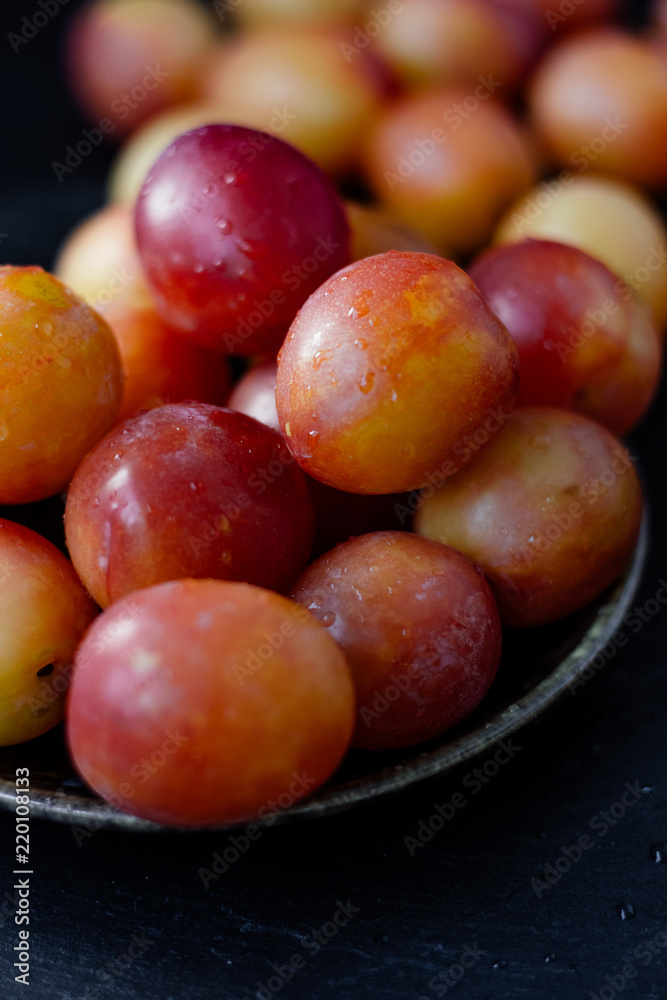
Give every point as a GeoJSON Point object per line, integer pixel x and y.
{"type": "Point", "coordinates": [321, 356]}
{"type": "Point", "coordinates": [360, 303]}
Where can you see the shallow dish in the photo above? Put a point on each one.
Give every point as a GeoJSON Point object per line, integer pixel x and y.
{"type": "Point", "coordinates": [538, 668]}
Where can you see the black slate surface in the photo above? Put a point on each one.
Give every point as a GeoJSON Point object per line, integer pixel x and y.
{"type": "Point", "coordinates": [114, 915]}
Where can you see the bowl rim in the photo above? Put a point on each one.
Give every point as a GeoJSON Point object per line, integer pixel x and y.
{"type": "Point", "coordinates": [94, 813]}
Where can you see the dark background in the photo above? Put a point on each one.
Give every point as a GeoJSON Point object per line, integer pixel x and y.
{"type": "Point", "coordinates": [472, 884]}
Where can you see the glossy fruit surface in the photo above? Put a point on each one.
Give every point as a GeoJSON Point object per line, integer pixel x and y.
{"type": "Point", "coordinates": [61, 383]}
{"type": "Point", "coordinates": [338, 515]}
{"type": "Point", "coordinates": [235, 229]}
{"type": "Point", "coordinates": [585, 341]}
{"type": "Point", "coordinates": [550, 510]}
{"type": "Point", "coordinates": [607, 217]}
{"type": "Point", "coordinates": [200, 702]}
{"type": "Point", "coordinates": [145, 144]}
{"type": "Point", "coordinates": [419, 628]}
{"type": "Point", "coordinates": [188, 490]}
{"type": "Point", "coordinates": [45, 613]}
{"type": "Point", "coordinates": [387, 370]}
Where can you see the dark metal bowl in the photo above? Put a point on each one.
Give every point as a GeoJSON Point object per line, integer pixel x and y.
{"type": "Point", "coordinates": [539, 666]}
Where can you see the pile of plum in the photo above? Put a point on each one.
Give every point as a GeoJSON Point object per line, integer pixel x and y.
{"type": "Point", "coordinates": [418, 442]}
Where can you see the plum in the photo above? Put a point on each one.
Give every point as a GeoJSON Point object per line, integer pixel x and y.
{"type": "Point", "coordinates": [386, 371]}
{"type": "Point", "coordinates": [204, 702]}
{"type": "Point", "coordinates": [419, 628]}
{"type": "Point", "coordinates": [188, 489]}
{"type": "Point", "coordinates": [550, 510]}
